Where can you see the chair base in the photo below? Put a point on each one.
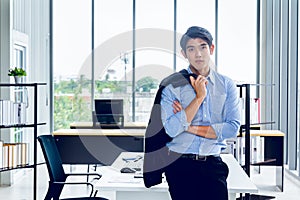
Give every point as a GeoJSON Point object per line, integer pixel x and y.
{"type": "Point", "coordinates": [256, 197]}
{"type": "Point", "coordinates": [86, 198]}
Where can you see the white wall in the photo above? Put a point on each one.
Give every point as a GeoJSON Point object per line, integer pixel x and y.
{"type": "Point", "coordinates": [27, 23]}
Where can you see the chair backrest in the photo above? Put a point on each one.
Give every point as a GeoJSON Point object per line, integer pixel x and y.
{"type": "Point", "coordinates": [52, 158]}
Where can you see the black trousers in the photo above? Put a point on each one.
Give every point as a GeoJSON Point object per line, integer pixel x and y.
{"type": "Point", "coordinates": [190, 179]}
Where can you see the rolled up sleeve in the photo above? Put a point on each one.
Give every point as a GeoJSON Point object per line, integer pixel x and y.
{"type": "Point", "coordinates": [174, 124]}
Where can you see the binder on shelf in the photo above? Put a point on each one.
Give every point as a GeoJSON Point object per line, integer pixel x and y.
{"type": "Point", "coordinates": [230, 146]}
{"type": "Point", "coordinates": [1, 154]}
{"type": "Point", "coordinates": [12, 113]}
{"type": "Point", "coordinates": [14, 155]}
{"type": "Point", "coordinates": [256, 152]}
{"type": "Point", "coordinates": [6, 112]}
{"type": "Point", "coordinates": [11, 155]}
{"type": "Point", "coordinates": [5, 156]}
{"type": "Point", "coordinates": [15, 113]}
{"type": "Point", "coordinates": [24, 154]}
{"type": "Point", "coordinates": [19, 154]}
{"type": "Point", "coordinates": [22, 113]}
{"type": "Point", "coordinates": [254, 110]}
{"type": "Point", "coordinates": [1, 112]}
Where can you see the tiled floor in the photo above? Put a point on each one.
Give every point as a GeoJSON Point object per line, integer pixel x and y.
{"type": "Point", "coordinates": [265, 181]}
{"type": "Point", "coordinates": [23, 189]}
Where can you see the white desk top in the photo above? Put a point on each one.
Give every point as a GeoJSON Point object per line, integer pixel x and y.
{"type": "Point", "coordinates": [88, 125]}
{"type": "Point", "coordinates": [100, 132]}
{"type": "Point", "coordinates": [268, 133]}
{"type": "Point", "coordinates": [237, 180]}
{"type": "Point", "coordinates": [112, 179]}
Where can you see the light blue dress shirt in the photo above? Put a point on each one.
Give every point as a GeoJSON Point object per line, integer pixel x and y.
{"type": "Point", "coordinates": [220, 110]}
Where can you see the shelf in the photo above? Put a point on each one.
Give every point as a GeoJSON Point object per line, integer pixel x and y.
{"type": "Point", "coordinates": [256, 124]}
{"type": "Point", "coordinates": [20, 167]}
{"type": "Point", "coordinates": [21, 125]}
{"type": "Point", "coordinates": [20, 84]}
{"type": "Point", "coordinates": [271, 144]}
{"type": "Point", "coordinates": [34, 125]}
{"type": "Point", "coordinates": [270, 161]}
{"type": "Point", "coordinates": [254, 84]}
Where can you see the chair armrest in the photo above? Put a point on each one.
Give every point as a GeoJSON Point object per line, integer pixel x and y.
{"type": "Point", "coordinates": [78, 183]}
{"type": "Point", "coordinates": [85, 174]}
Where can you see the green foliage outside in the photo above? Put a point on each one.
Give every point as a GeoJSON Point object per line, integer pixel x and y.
{"type": "Point", "coordinates": [146, 84]}
{"type": "Point", "coordinates": [114, 86]}
{"type": "Point", "coordinates": [72, 101]}
{"type": "Point", "coordinates": [69, 104]}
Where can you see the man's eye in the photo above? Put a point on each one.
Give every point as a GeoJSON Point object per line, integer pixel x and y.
{"type": "Point", "coordinates": [190, 49]}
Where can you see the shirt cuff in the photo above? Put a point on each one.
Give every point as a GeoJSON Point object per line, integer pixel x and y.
{"type": "Point", "coordinates": [183, 120]}
{"type": "Point", "coordinates": [218, 130]}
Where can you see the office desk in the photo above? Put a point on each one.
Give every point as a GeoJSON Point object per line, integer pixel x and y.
{"type": "Point", "coordinates": [89, 125]}
{"type": "Point", "coordinates": [97, 146]}
{"type": "Point", "coordinates": [272, 152]}
{"type": "Point", "coordinates": [126, 187]}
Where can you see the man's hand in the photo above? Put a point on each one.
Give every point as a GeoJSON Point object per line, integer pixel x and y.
{"type": "Point", "coordinates": [176, 107]}
{"type": "Point", "coordinates": [203, 131]}
{"type": "Point", "coordinates": [199, 86]}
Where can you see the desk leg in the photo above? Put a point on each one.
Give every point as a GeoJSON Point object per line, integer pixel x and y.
{"type": "Point", "coordinates": [279, 177]}
{"type": "Point", "coordinates": [274, 149]}
{"type": "Point", "coordinates": [136, 195]}
{"type": "Point", "coordinates": [231, 196]}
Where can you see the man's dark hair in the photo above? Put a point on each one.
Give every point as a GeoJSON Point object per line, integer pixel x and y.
{"type": "Point", "coordinates": [196, 32]}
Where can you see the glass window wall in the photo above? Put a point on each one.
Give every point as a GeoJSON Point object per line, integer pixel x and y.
{"type": "Point", "coordinates": [237, 39]}
{"type": "Point", "coordinates": [113, 51]}
{"type": "Point", "coordinates": [153, 52]}
{"type": "Point", "coordinates": [193, 13]}
{"type": "Point", "coordinates": [71, 61]}
{"type": "Point", "coordinates": [134, 50]}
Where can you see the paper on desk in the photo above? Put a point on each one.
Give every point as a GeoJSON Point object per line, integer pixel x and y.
{"type": "Point", "coordinates": [124, 179]}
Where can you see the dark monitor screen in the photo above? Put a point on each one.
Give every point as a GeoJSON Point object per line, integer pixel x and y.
{"type": "Point", "coordinates": [109, 106]}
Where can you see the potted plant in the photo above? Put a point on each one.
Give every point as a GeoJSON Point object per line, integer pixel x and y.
{"type": "Point", "coordinates": [17, 73]}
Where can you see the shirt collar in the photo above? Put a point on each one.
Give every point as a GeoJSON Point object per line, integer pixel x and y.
{"type": "Point", "coordinates": [210, 77]}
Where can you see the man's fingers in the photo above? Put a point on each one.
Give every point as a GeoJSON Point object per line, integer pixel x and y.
{"type": "Point", "coordinates": [192, 79]}
{"type": "Point", "coordinates": [176, 107]}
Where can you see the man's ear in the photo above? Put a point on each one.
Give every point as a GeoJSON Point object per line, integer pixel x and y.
{"type": "Point", "coordinates": [211, 49]}
{"type": "Point", "coordinates": [183, 53]}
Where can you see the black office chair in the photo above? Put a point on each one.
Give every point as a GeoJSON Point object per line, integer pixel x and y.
{"type": "Point", "coordinates": [57, 174]}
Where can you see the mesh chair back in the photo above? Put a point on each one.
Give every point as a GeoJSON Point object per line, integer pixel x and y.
{"type": "Point", "coordinates": [52, 158]}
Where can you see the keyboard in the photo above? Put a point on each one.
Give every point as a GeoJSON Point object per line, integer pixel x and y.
{"type": "Point", "coordinates": [135, 163]}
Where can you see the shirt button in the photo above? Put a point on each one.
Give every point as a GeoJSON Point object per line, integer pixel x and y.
{"type": "Point", "coordinates": [205, 116]}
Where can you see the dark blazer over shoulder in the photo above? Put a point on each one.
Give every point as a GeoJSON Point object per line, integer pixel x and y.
{"type": "Point", "coordinates": [155, 160]}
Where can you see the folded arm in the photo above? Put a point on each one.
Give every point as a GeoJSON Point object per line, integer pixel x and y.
{"type": "Point", "coordinates": [199, 86]}
{"type": "Point", "coordinates": [203, 131]}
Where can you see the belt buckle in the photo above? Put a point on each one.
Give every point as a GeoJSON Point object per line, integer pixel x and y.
{"type": "Point", "coordinates": [201, 158]}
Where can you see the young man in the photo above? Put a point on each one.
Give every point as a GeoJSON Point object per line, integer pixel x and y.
{"type": "Point", "coordinates": [198, 117]}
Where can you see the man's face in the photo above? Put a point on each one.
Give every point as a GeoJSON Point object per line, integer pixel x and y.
{"type": "Point", "coordinates": [198, 53]}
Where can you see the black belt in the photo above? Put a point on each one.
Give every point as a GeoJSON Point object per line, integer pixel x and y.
{"type": "Point", "coordinates": [192, 156]}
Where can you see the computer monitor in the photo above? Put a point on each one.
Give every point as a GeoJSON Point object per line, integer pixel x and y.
{"type": "Point", "coordinates": [108, 113]}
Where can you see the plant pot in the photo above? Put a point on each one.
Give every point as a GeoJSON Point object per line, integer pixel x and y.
{"type": "Point", "coordinates": [18, 79]}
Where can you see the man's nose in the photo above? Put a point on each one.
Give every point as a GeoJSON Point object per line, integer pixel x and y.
{"type": "Point", "coordinates": [198, 52]}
